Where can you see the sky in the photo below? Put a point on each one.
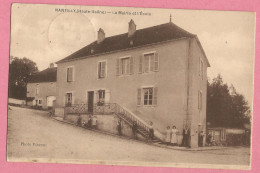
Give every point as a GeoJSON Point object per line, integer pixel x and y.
{"type": "Point", "coordinates": [44, 34]}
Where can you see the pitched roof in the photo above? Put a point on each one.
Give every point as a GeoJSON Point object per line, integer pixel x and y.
{"type": "Point", "coordinates": [146, 36]}
{"type": "Point", "coordinates": [47, 75]}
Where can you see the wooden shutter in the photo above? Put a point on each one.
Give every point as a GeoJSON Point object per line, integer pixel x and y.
{"type": "Point", "coordinates": [117, 67]}
{"type": "Point", "coordinates": [199, 100]}
{"type": "Point", "coordinates": [107, 96]}
{"type": "Point", "coordinates": [139, 97]}
{"type": "Point", "coordinates": [141, 64]}
{"type": "Point", "coordinates": [155, 92]}
{"type": "Point", "coordinates": [156, 62]}
{"type": "Point", "coordinates": [131, 59]}
{"type": "Point", "coordinates": [103, 69]}
{"type": "Point", "coordinates": [69, 74]}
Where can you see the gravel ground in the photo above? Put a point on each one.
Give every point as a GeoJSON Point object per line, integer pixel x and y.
{"type": "Point", "coordinates": [33, 136]}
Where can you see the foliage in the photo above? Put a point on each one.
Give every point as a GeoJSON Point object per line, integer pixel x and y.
{"type": "Point", "coordinates": [226, 107]}
{"type": "Point", "coordinates": [20, 71]}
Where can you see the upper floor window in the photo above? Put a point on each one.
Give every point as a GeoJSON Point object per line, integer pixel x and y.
{"type": "Point", "coordinates": [125, 66]}
{"type": "Point", "coordinates": [201, 69]}
{"type": "Point", "coordinates": [149, 62]}
{"type": "Point", "coordinates": [37, 91]}
{"type": "Point", "coordinates": [70, 74]}
{"type": "Point", "coordinates": [147, 96]}
{"type": "Point", "coordinates": [101, 69]}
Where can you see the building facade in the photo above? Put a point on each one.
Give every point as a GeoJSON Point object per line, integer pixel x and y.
{"type": "Point", "coordinates": [41, 89]}
{"type": "Point", "coordinates": [159, 73]}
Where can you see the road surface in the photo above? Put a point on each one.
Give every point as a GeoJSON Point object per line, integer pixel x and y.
{"type": "Point", "coordinates": [33, 136]}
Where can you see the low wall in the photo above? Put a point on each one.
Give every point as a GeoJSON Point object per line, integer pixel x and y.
{"type": "Point", "coordinates": [59, 112]}
{"type": "Point", "coordinates": [16, 101]}
{"type": "Point", "coordinates": [106, 123]}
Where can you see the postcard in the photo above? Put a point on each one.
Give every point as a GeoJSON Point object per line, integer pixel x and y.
{"type": "Point", "coordinates": [130, 86]}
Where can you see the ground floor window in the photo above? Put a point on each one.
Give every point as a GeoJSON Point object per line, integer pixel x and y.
{"type": "Point", "coordinates": [147, 96]}
{"type": "Point", "coordinates": [101, 97]}
{"type": "Point", "coordinates": [68, 99]}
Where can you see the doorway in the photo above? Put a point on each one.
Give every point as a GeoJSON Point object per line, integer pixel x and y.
{"type": "Point", "coordinates": [90, 101]}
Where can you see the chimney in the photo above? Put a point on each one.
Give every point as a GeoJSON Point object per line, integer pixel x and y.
{"type": "Point", "coordinates": [51, 65]}
{"type": "Point", "coordinates": [101, 35]}
{"type": "Point", "coordinates": [131, 28]}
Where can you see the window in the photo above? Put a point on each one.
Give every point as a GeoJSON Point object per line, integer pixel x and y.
{"type": "Point", "coordinates": [200, 100]}
{"type": "Point", "coordinates": [125, 66]}
{"type": "Point", "coordinates": [101, 97]}
{"type": "Point", "coordinates": [68, 99]}
{"type": "Point", "coordinates": [148, 63]}
{"type": "Point", "coordinates": [102, 69]}
{"type": "Point", "coordinates": [201, 69]}
{"type": "Point", "coordinates": [69, 74]}
{"type": "Point", "coordinates": [37, 91]}
{"type": "Point", "coordinates": [125, 63]}
{"type": "Point", "coordinates": [40, 102]}
{"type": "Point", "coordinates": [147, 96]}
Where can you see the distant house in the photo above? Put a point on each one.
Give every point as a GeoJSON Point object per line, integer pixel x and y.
{"type": "Point", "coordinates": [41, 89]}
{"type": "Point", "coordinates": [156, 74]}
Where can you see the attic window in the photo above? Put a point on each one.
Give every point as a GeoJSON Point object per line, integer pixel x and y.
{"type": "Point", "coordinates": [92, 50]}
{"type": "Point", "coordinates": [131, 42]}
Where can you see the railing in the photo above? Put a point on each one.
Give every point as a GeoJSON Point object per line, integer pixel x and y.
{"type": "Point", "coordinates": [107, 108]}
{"type": "Point", "coordinates": [141, 123]}
{"type": "Point", "coordinates": [76, 109]}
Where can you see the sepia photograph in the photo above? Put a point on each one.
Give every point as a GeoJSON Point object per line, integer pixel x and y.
{"type": "Point", "coordinates": [130, 86]}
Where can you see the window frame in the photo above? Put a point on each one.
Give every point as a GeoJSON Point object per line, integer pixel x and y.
{"type": "Point", "coordinates": [73, 74]}
{"type": "Point", "coordinates": [39, 100]}
{"type": "Point", "coordinates": [99, 63]}
{"type": "Point", "coordinates": [66, 99]}
{"type": "Point", "coordinates": [141, 100]}
{"type": "Point", "coordinates": [148, 95]}
{"type": "Point", "coordinates": [142, 63]}
{"type": "Point", "coordinates": [119, 66]}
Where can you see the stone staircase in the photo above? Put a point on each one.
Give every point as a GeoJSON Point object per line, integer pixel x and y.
{"type": "Point", "coordinates": [142, 127]}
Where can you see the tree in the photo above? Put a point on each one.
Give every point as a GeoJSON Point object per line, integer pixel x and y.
{"type": "Point", "coordinates": [226, 107]}
{"type": "Point", "coordinates": [20, 71]}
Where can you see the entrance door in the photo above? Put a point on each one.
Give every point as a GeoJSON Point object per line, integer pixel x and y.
{"type": "Point", "coordinates": [90, 101]}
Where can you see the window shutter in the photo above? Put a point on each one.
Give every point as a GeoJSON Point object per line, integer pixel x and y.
{"type": "Point", "coordinates": [141, 64]}
{"type": "Point", "coordinates": [117, 67]}
{"type": "Point", "coordinates": [202, 69]}
{"type": "Point", "coordinates": [199, 67]}
{"type": "Point", "coordinates": [107, 96]}
{"type": "Point", "coordinates": [103, 69]}
{"type": "Point", "coordinates": [155, 91]}
{"type": "Point", "coordinates": [70, 74]}
{"type": "Point", "coordinates": [139, 96]}
{"type": "Point", "coordinates": [131, 65]}
{"type": "Point", "coordinates": [156, 62]}
{"type": "Point", "coordinates": [198, 99]}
